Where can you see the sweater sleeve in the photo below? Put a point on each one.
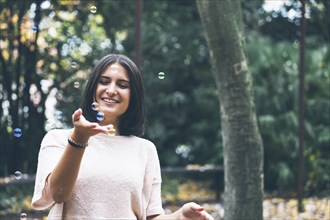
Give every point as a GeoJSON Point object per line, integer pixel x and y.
{"type": "Point", "coordinates": [51, 149]}
{"type": "Point", "coordinates": [154, 202]}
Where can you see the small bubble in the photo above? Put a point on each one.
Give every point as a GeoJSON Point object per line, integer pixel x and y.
{"type": "Point", "coordinates": [18, 132]}
{"type": "Point", "coordinates": [112, 132]}
{"type": "Point", "coordinates": [18, 175]}
{"type": "Point", "coordinates": [114, 68]}
{"type": "Point", "coordinates": [74, 64]}
{"type": "Point", "coordinates": [34, 29]}
{"type": "Point", "coordinates": [59, 95]}
{"type": "Point", "coordinates": [76, 85]}
{"type": "Point", "coordinates": [25, 109]}
{"type": "Point", "coordinates": [295, 44]}
{"type": "Point", "coordinates": [161, 75]}
{"type": "Point", "coordinates": [95, 106]}
{"type": "Point", "coordinates": [93, 9]}
{"type": "Point", "coordinates": [58, 115]}
{"type": "Point", "coordinates": [23, 216]}
{"type": "Point", "coordinates": [100, 116]}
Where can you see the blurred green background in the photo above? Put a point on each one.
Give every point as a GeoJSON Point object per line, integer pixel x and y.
{"type": "Point", "coordinates": [48, 49]}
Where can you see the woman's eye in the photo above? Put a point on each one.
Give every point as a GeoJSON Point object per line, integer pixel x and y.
{"type": "Point", "coordinates": [123, 85]}
{"type": "Point", "coordinates": [103, 82]}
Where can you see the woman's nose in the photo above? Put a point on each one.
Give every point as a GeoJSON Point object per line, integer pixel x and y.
{"type": "Point", "coordinates": [111, 90]}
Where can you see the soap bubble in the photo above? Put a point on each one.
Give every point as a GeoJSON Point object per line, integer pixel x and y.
{"type": "Point", "coordinates": [112, 132]}
{"type": "Point", "coordinates": [100, 116]}
{"type": "Point", "coordinates": [23, 216]}
{"type": "Point", "coordinates": [34, 29]}
{"type": "Point", "coordinates": [18, 175]}
{"type": "Point", "coordinates": [93, 9]}
{"type": "Point", "coordinates": [76, 85]}
{"type": "Point", "coordinates": [74, 64]}
{"type": "Point", "coordinates": [18, 132]}
{"type": "Point", "coordinates": [58, 115]}
{"type": "Point", "coordinates": [95, 106]}
{"type": "Point", "coordinates": [59, 95]}
{"type": "Point", "coordinates": [161, 75]}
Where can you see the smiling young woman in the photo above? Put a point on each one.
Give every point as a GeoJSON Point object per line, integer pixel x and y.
{"type": "Point", "coordinates": [85, 173]}
{"type": "Point", "coordinates": [113, 93]}
{"type": "Point", "coordinates": [132, 121]}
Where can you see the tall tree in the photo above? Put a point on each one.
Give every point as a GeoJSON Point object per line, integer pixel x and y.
{"type": "Point", "coordinates": [21, 111]}
{"type": "Point", "coordinates": [243, 148]}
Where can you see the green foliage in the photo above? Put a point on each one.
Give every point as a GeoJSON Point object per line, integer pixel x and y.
{"type": "Point", "coordinates": [15, 199]}
{"type": "Point", "coordinates": [283, 24]}
{"type": "Point", "coordinates": [183, 107]}
{"type": "Point", "coordinates": [275, 70]}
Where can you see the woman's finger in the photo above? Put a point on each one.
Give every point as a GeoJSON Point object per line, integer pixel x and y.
{"type": "Point", "coordinates": [76, 115]}
{"type": "Point", "coordinates": [207, 216]}
{"type": "Point", "coordinates": [196, 207]}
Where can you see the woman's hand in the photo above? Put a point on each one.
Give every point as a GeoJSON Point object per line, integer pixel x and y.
{"type": "Point", "coordinates": [193, 211]}
{"type": "Point", "coordinates": [84, 129]}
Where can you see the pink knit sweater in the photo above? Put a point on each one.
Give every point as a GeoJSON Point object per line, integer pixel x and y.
{"type": "Point", "coordinates": [119, 178]}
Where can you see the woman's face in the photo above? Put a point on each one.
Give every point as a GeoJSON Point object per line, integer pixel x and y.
{"type": "Point", "coordinates": [113, 93]}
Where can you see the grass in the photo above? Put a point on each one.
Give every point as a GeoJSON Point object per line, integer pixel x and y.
{"type": "Point", "coordinates": [16, 199]}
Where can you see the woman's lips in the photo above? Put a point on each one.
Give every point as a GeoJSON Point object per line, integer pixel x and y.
{"type": "Point", "coordinates": [108, 100]}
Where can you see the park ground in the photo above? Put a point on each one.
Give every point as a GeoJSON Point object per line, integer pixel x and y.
{"type": "Point", "coordinates": [175, 194]}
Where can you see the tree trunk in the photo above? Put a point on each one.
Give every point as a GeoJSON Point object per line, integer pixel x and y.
{"type": "Point", "coordinates": [19, 69]}
{"type": "Point", "coordinates": [243, 149]}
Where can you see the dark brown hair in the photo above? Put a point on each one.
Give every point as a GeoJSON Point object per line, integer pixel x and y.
{"type": "Point", "coordinates": [132, 121]}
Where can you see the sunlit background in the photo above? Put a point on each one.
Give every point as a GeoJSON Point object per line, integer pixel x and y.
{"type": "Point", "coordinates": [48, 49]}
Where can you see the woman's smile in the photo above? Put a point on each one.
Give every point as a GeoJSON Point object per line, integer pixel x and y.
{"type": "Point", "coordinates": [113, 93]}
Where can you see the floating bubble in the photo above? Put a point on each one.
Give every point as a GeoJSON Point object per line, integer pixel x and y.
{"type": "Point", "coordinates": [112, 132]}
{"type": "Point", "coordinates": [25, 109]}
{"type": "Point", "coordinates": [161, 75]}
{"type": "Point", "coordinates": [100, 116]}
{"type": "Point", "coordinates": [93, 9]}
{"type": "Point", "coordinates": [114, 68]}
{"type": "Point", "coordinates": [34, 29]}
{"type": "Point", "coordinates": [59, 95]}
{"type": "Point", "coordinates": [18, 132]}
{"type": "Point", "coordinates": [76, 85]}
{"type": "Point", "coordinates": [58, 115]}
{"type": "Point", "coordinates": [95, 106]}
{"type": "Point", "coordinates": [18, 175]}
{"type": "Point", "coordinates": [23, 216]}
{"type": "Point", "coordinates": [74, 64]}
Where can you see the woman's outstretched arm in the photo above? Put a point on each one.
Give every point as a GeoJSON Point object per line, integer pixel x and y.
{"type": "Point", "coordinates": [62, 179]}
{"type": "Point", "coordinates": [189, 211]}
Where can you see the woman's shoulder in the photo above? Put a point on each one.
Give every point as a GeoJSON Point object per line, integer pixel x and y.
{"type": "Point", "coordinates": [58, 133]}
{"type": "Point", "coordinates": [56, 137]}
{"type": "Point", "coordinates": [144, 141]}
{"type": "Point", "coordinates": [146, 144]}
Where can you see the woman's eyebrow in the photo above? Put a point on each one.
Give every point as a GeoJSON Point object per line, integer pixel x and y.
{"type": "Point", "coordinates": [122, 80]}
